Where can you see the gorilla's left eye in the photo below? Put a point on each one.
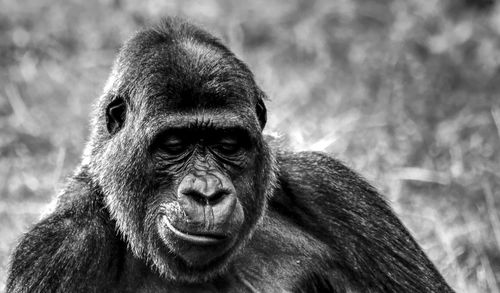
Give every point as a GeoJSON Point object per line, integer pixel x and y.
{"type": "Point", "coordinates": [228, 147]}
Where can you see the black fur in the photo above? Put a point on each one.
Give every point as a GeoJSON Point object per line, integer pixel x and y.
{"type": "Point", "coordinates": [310, 224]}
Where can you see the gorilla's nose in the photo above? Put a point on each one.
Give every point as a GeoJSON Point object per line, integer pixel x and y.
{"type": "Point", "coordinates": [205, 190]}
{"type": "Point", "coordinates": [208, 200]}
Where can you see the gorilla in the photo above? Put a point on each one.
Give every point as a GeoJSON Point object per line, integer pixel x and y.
{"type": "Point", "coordinates": [179, 191]}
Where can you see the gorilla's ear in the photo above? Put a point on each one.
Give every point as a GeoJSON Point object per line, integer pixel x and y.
{"type": "Point", "coordinates": [115, 115]}
{"type": "Point", "coordinates": [260, 108]}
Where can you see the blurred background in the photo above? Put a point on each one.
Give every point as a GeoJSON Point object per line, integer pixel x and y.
{"type": "Point", "coordinates": [405, 92]}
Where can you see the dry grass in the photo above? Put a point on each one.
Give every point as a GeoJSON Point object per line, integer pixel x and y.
{"type": "Point", "coordinates": [405, 92]}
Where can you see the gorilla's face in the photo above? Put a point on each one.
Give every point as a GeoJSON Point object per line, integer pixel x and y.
{"type": "Point", "coordinates": [205, 166]}
{"type": "Point", "coordinates": [186, 170]}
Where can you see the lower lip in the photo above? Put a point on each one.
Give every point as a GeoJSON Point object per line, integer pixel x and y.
{"type": "Point", "coordinates": [195, 239]}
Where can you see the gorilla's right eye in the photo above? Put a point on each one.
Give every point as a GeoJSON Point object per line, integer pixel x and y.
{"type": "Point", "coordinates": [173, 146]}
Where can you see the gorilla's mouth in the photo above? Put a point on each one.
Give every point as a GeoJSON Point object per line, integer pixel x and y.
{"type": "Point", "coordinates": [199, 238]}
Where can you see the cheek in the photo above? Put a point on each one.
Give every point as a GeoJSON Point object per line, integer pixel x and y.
{"type": "Point", "coordinates": [159, 202]}
{"type": "Point", "coordinates": [247, 195]}
{"type": "Point", "coordinates": [243, 170]}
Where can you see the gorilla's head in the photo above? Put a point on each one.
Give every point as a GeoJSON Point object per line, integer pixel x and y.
{"type": "Point", "coordinates": [178, 151]}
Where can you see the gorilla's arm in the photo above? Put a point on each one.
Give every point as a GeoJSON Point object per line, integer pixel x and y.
{"type": "Point", "coordinates": [72, 250]}
{"type": "Point", "coordinates": [368, 242]}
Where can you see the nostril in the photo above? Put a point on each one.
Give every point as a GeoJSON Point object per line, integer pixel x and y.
{"type": "Point", "coordinates": [218, 196]}
{"type": "Point", "coordinates": [196, 196]}
{"type": "Point", "coordinates": [205, 199]}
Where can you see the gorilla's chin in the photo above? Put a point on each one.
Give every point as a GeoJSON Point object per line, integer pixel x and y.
{"type": "Point", "coordinates": [196, 248]}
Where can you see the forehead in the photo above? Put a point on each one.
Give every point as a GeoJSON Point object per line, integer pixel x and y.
{"type": "Point", "coordinates": [181, 74]}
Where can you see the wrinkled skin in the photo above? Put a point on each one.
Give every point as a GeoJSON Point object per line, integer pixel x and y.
{"type": "Point", "coordinates": [179, 191]}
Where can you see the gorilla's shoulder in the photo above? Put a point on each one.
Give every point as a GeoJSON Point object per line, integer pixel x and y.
{"type": "Point", "coordinates": [315, 167]}
{"type": "Point", "coordinates": [63, 248]}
